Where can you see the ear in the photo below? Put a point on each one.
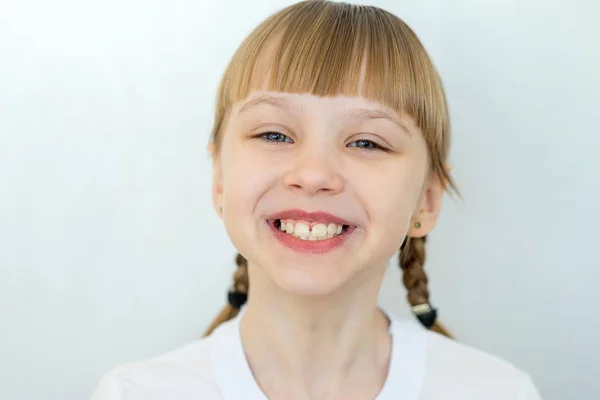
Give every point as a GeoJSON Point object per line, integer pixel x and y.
{"type": "Point", "coordinates": [428, 211]}
{"type": "Point", "coordinates": [217, 183]}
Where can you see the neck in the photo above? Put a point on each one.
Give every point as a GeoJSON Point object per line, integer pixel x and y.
{"type": "Point", "coordinates": [316, 347]}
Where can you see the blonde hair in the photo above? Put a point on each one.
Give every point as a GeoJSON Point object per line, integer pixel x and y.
{"type": "Point", "coordinates": [323, 48]}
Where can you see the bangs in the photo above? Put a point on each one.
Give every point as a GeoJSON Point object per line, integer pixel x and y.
{"type": "Point", "coordinates": [333, 49]}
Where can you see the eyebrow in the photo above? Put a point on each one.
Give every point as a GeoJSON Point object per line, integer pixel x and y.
{"type": "Point", "coordinates": [368, 113]}
{"type": "Point", "coordinates": [357, 112]}
{"type": "Point", "coordinates": [279, 102]}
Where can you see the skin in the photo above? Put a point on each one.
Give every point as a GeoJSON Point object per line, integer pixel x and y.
{"type": "Point", "coordinates": [312, 329]}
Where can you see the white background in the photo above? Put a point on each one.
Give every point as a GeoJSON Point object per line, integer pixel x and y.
{"type": "Point", "coordinates": [109, 248]}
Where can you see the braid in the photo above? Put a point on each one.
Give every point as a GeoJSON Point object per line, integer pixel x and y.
{"type": "Point", "coordinates": [412, 262]}
{"type": "Point", "coordinates": [240, 287]}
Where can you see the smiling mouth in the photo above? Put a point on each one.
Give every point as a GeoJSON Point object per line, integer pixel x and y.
{"type": "Point", "coordinates": [311, 231]}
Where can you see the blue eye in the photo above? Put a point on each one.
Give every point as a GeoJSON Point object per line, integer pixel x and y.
{"type": "Point", "coordinates": [277, 137]}
{"type": "Point", "coordinates": [274, 137]}
{"type": "Point", "coordinates": [366, 144]}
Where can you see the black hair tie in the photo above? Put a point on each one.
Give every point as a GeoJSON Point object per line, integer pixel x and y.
{"type": "Point", "coordinates": [237, 299]}
{"type": "Point", "coordinates": [426, 314]}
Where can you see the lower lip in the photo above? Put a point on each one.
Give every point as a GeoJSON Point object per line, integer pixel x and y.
{"type": "Point", "coordinates": [310, 246]}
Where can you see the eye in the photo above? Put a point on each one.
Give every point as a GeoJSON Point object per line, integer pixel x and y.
{"type": "Point", "coordinates": [274, 137]}
{"type": "Point", "coordinates": [366, 144]}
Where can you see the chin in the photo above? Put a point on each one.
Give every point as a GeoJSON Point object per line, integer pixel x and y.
{"type": "Point", "coordinates": [309, 279]}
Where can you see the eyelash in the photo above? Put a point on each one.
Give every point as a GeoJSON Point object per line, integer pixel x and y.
{"type": "Point", "coordinates": [263, 137]}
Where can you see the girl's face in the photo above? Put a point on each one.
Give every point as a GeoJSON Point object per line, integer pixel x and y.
{"type": "Point", "coordinates": [319, 191]}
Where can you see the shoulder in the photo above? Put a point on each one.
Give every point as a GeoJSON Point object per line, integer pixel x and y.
{"type": "Point", "coordinates": [472, 373]}
{"type": "Point", "coordinates": [455, 370]}
{"type": "Point", "coordinates": [184, 374]}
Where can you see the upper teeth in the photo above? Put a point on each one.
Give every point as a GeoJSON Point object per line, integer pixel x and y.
{"type": "Point", "coordinates": [303, 231]}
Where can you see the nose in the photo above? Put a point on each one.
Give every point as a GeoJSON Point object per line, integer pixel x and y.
{"type": "Point", "coordinates": [314, 172]}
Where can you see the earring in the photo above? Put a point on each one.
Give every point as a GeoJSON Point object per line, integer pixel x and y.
{"type": "Point", "coordinates": [417, 224]}
{"type": "Point", "coordinates": [221, 209]}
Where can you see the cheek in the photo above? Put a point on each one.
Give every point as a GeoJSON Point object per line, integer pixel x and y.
{"type": "Point", "coordinates": [245, 178]}
{"type": "Point", "coordinates": [390, 198]}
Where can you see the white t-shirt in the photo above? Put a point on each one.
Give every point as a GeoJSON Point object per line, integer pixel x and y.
{"type": "Point", "coordinates": [423, 366]}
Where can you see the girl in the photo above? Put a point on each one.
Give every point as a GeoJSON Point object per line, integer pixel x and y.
{"type": "Point", "coordinates": [329, 147]}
